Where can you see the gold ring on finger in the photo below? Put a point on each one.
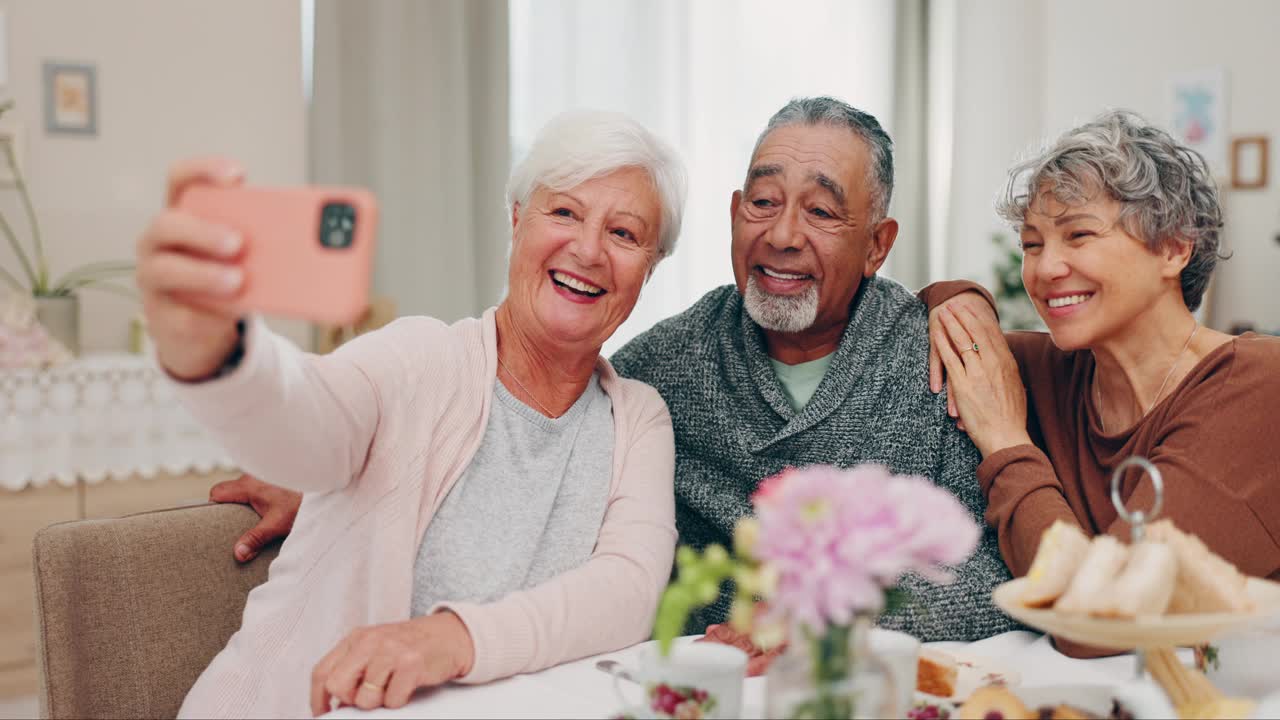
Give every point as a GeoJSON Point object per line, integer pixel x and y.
{"type": "Point", "coordinates": [370, 686]}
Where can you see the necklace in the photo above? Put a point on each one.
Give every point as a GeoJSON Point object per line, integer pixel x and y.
{"type": "Point", "coordinates": [1097, 387]}
{"type": "Point", "coordinates": [526, 390]}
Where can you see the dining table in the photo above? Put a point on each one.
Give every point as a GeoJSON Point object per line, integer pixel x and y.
{"type": "Point", "coordinates": [580, 689]}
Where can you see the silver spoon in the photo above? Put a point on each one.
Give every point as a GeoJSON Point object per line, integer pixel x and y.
{"type": "Point", "coordinates": [615, 668]}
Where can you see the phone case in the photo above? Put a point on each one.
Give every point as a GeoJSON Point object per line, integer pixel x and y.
{"type": "Point", "coordinates": [294, 263]}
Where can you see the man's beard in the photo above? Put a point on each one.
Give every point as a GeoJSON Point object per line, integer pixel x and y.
{"type": "Point", "coordinates": [781, 313]}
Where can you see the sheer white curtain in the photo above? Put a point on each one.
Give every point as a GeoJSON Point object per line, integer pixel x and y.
{"type": "Point", "coordinates": [409, 99]}
{"type": "Point", "coordinates": [706, 75]}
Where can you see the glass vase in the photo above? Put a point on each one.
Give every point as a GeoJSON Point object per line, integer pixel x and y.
{"type": "Point", "coordinates": [829, 674]}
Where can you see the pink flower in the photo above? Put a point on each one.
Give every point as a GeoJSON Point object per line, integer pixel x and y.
{"type": "Point", "coordinates": [770, 486]}
{"type": "Point", "coordinates": [838, 538]}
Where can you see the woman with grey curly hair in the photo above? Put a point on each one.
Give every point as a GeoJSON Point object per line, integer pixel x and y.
{"type": "Point", "coordinates": [1120, 227]}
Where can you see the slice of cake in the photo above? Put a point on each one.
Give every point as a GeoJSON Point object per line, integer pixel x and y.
{"type": "Point", "coordinates": [936, 673]}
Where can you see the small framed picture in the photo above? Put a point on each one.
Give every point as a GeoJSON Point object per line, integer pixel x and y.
{"type": "Point", "coordinates": [1249, 163]}
{"type": "Point", "coordinates": [70, 98]}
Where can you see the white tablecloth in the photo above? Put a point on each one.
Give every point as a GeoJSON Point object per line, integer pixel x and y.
{"type": "Point", "coordinates": [579, 690]}
{"type": "Point", "coordinates": [95, 417]}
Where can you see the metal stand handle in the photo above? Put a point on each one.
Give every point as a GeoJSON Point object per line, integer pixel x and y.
{"type": "Point", "coordinates": [1138, 520]}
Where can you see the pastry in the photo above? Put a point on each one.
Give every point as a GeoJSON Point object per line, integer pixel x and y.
{"type": "Point", "coordinates": [936, 673]}
{"type": "Point", "coordinates": [1062, 548]}
{"type": "Point", "coordinates": [1064, 712]}
{"type": "Point", "coordinates": [1098, 570]}
{"type": "Point", "coordinates": [993, 702]}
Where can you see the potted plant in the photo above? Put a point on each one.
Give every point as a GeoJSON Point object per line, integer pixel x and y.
{"type": "Point", "coordinates": [817, 564]}
{"type": "Point", "coordinates": [56, 301]}
{"type": "Point", "coordinates": [1016, 310]}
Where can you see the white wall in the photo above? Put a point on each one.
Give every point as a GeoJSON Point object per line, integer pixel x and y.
{"type": "Point", "coordinates": [998, 96]}
{"type": "Point", "coordinates": [175, 78]}
{"type": "Point", "coordinates": [1030, 68]}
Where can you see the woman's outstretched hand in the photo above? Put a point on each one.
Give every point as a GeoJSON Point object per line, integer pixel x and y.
{"type": "Point", "coordinates": [382, 665]}
{"type": "Point", "coordinates": [983, 382]}
{"type": "Point", "coordinates": [187, 273]}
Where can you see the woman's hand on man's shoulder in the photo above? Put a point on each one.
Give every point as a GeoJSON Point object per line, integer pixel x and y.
{"type": "Point", "coordinates": [277, 509]}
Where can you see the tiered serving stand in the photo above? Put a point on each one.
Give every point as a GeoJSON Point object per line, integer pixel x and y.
{"type": "Point", "coordinates": [1143, 633]}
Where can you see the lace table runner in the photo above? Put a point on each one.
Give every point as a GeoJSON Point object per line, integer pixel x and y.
{"type": "Point", "coordinates": [95, 417]}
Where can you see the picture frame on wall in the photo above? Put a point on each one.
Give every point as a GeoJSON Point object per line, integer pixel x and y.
{"type": "Point", "coordinates": [1249, 162]}
{"type": "Point", "coordinates": [70, 98]}
{"type": "Point", "coordinates": [1197, 107]}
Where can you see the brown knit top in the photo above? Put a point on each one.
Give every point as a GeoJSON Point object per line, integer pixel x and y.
{"type": "Point", "coordinates": [1214, 439]}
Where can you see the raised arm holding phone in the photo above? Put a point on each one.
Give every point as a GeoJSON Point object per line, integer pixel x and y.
{"type": "Point", "coordinates": [426, 450]}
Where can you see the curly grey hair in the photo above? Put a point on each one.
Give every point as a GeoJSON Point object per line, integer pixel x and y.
{"type": "Point", "coordinates": [1164, 188]}
{"type": "Point", "coordinates": [836, 113]}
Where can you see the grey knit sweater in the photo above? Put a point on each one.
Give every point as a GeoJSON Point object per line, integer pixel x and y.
{"type": "Point", "coordinates": [735, 427]}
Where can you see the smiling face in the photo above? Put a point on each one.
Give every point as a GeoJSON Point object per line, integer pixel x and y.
{"type": "Point", "coordinates": [1087, 276]}
{"type": "Point", "coordinates": [802, 238]}
{"type": "Point", "coordinates": [579, 257]}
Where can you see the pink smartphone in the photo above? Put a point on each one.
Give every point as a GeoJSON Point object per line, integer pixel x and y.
{"type": "Point", "coordinates": [308, 251]}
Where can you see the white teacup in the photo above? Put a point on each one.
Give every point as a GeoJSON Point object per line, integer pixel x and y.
{"type": "Point", "coordinates": [697, 679]}
{"type": "Point", "coordinates": [900, 654]}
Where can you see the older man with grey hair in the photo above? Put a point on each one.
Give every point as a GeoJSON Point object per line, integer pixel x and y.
{"type": "Point", "coordinates": [813, 358]}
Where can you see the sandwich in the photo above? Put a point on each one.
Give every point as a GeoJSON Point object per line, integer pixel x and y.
{"type": "Point", "coordinates": [1062, 548]}
{"type": "Point", "coordinates": [1144, 586]}
{"type": "Point", "coordinates": [1206, 583]}
{"type": "Point", "coordinates": [1101, 564]}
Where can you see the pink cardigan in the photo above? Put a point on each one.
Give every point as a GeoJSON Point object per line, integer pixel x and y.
{"type": "Point", "coordinates": [375, 434]}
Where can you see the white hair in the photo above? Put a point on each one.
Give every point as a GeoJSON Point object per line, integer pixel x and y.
{"type": "Point", "coordinates": [578, 146]}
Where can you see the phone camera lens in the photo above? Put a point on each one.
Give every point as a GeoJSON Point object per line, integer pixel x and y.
{"type": "Point", "coordinates": [337, 225]}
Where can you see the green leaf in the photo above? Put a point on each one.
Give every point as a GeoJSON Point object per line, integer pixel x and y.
{"type": "Point", "coordinates": [115, 289]}
{"type": "Point", "coordinates": [27, 269]}
{"type": "Point", "coordinates": [1211, 656]}
{"type": "Point", "coordinates": [101, 269]}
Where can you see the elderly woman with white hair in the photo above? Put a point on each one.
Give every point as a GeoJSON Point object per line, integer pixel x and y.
{"type": "Point", "coordinates": [1120, 232]}
{"type": "Point", "coordinates": [480, 499]}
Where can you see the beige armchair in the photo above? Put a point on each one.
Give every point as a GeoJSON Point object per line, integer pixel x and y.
{"type": "Point", "coordinates": [130, 610]}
